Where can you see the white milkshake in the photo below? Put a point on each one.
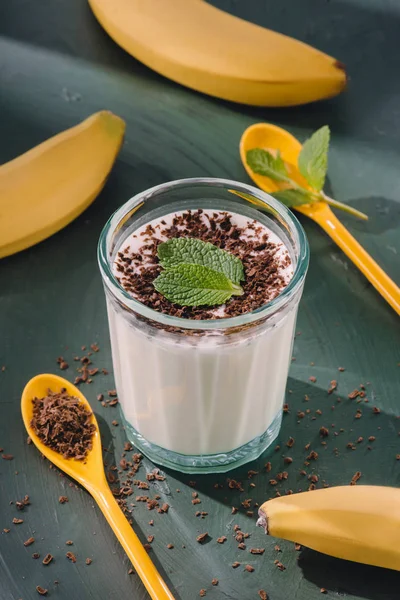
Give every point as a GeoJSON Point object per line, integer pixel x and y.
{"type": "Point", "coordinates": [206, 398]}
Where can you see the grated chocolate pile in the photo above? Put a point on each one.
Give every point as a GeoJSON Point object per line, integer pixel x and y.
{"type": "Point", "coordinates": [64, 424]}
{"type": "Point", "coordinates": [136, 271]}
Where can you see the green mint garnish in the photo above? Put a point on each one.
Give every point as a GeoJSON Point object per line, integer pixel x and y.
{"type": "Point", "coordinates": [197, 273]}
{"type": "Point", "coordinates": [313, 158]}
{"type": "Point", "coordinates": [264, 163]}
{"type": "Point", "coordinates": [195, 285]}
{"type": "Point", "coordinates": [192, 251]}
{"type": "Point", "coordinates": [292, 197]}
{"type": "Point", "coordinates": [312, 164]}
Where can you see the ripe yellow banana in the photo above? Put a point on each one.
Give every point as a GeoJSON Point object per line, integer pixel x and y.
{"type": "Point", "coordinates": [44, 189]}
{"type": "Point", "coordinates": [211, 51]}
{"type": "Point", "coordinates": [357, 523]}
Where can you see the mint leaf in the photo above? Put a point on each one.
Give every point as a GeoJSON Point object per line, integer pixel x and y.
{"type": "Point", "coordinates": [313, 158]}
{"type": "Point", "coordinates": [264, 163]}
{"type": "Point", "coordinates": [196, 252]}
{"type": "Point", "coordinates": [195, 285]}
{"type": "Point", "coordinates": [293, 197]}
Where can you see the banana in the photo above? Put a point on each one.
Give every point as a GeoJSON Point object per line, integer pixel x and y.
{"type": "Point", "coordinates": [204, 48]}
{"type": "Point", "coordinates": [44, 189]}
{"type": "Point", "coordinates": [357, 523]}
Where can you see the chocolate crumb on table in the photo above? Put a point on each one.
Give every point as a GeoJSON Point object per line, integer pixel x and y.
{"type": "Point", "coordinates": [279, 565]}
{"type": "Point", "coordinates": [88, 561]}
{"type": "Point", "coordinates": [63, 423]}
{"type": "Point", "coordinates": [257, 550]}
{"type": "Point", "coordinates": [249, 568]}
{"type": "Point", "coordinates": [202, 537]}
{"type": "Point", "coordinates": [170, 546]}
{"type": "Point", "coordinates": [63, 499]}
{"type": "Point", "coordinates": [355, 478]}
{"type": "Point", "coordinates": [42, 591]}
{"type": "Point", "coordinates": [47, 559]}
{"type": "Point", "coordinates": [20, 504]}
{"type": "Point", "coordinates": [222, 539]}
{"type": "Point", "coordinates": [29, 541]}
{"type": "Point", "coordinates": [202, 593]}
{"type": "Point", "coordinates": [214, 581]}
{"type": "Point", "coordinates": [263, 595]}
{"type": "Point", "coordinates": [71, 556]}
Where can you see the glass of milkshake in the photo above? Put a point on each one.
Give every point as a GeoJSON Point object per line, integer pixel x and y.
{"type": "Point", "coordinates": [202, 388]}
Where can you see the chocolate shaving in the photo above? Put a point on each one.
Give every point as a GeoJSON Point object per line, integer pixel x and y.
{"type": "Point", "coordinates": [279, 565]}
{"type": "Point", "coordinates": [263, 261]}
{"type": "Point", "coordinates": [71, 556]}
{"type": "Point", "coordinates": [29, 541]}
{"type": "Point", "coordinates": [47, 559]}
{"type": "Point", "coordinates": [63, 423]}
{"type": "Point", "coordinates": [41, 591]}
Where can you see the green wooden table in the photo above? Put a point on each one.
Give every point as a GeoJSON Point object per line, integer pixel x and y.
{"type": "Point", "coordinates": [56, 67]}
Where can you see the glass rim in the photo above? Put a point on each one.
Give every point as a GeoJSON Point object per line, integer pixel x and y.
{"type": "Point", "coordinates": [129, 207]}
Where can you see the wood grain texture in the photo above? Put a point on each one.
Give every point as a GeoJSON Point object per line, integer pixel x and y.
{"type": "Point", "coordinates": [57, 67]}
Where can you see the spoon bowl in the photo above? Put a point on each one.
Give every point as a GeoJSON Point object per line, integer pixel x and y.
{"type": "Point", "coordinates": [87, 471]}
{"type": "Point", "coordinates": [272, 138]}
{"type": "Point", "coordinates": [90, 474]}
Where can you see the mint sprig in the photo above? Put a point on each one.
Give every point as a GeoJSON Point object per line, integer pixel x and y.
{"type": "Point", "coordinates": [313, 158]}
{"type": "Point", "coordinates": [192, 251]}
{"type": "Point", "coordinates": [197, 273]}
{"type": "Point", "coordinates": [264, 163]}
{"type": "Point", "coordinates": [195, 285]}
{"type": "Point", "coordinates": [312, 164]}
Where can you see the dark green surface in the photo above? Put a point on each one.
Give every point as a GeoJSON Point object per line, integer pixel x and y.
{"type": "Point", "coordinates": [56, 67]}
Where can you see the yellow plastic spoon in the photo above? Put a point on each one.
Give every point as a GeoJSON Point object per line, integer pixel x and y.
{"type": "Point", "coordinates": [271, 137]}
{"type": "Point", "coordinates": [90, 474]}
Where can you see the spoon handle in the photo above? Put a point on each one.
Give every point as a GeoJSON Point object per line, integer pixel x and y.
{"type": "Point", "coordinates": [360, 257]}
{"type": "Point", "coordinates": [130, 542]}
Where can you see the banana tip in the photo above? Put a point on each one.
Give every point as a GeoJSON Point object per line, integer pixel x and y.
{"type": "Point", "coordinates": [262, 520]}
{"type": "Point", "coordinates": [342, 68]}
